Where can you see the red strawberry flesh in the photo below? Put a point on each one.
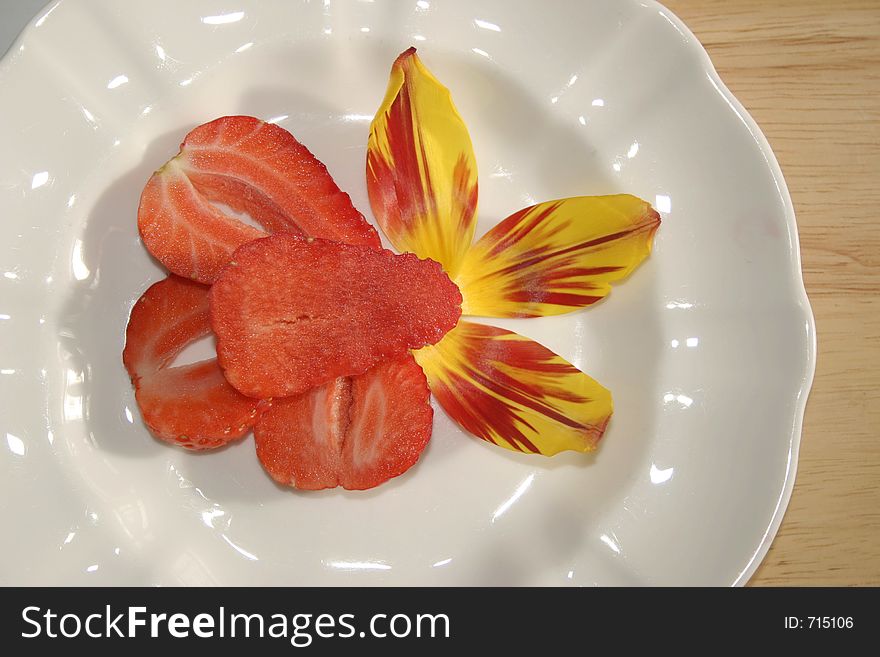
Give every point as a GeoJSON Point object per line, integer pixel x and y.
{"type": "Point", "coordinates": [254, 167]}
{"type": "Point", "coordinates": [299, 439]}
{"type": "Point", "coordinates": [190, 405]}
{"type": "Point", "coordinates": [291, 313]}
{"type": "Point", "coordinates": [183, 230]}
{"type": "Point", "coordinates": [353, 432]}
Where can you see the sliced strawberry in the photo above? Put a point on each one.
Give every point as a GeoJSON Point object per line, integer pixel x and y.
{"type": "Point", "coordinates": [356, 433]}
{"type": "Point", "coordinates": [253, 167]}
{"type": "Point", "coordinates": [191, 405]}
{"type": "Point", "coordinates": [299, 439]}
{"type": "Point", "coordinates": [390, 423]}
{"type": "Point", "coordinates": [183, 230]}
{"type": "Point", "coordinates": [170, 315]}
{"type": "Point", "coordinates": [292, 313]}
{"type": "Point", "coordinates": [194, 406]}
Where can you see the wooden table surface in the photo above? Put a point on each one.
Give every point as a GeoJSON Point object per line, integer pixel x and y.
{"type": "Point", "coordinates": [808, 71]}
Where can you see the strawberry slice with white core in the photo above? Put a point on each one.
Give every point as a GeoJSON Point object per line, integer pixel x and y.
{"type": "Point", "coordinates": [190, 405]}
{"type": "Point", "coordinates": [353, 432]}
{"type": "Point", "coordinates": [252, 167]}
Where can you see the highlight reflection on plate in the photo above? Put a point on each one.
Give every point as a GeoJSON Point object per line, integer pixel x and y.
{"type": "Point", "coordinates": [708, 348]}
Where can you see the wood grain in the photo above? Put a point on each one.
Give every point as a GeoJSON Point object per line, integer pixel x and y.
{"type": "Point", "coordinates": [808, 71]}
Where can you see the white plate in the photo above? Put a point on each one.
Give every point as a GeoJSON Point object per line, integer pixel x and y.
{"type": "Point", "coordinates": [708, 348]}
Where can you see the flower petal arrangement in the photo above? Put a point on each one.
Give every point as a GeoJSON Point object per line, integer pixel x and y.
{"type": "Point", "coordinates": [547, 259]}
{"type": "Point", "coordinates": [329, 346]}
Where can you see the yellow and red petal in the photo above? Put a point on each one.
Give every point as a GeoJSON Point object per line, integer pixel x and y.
{"type": "Point", "coordinates": [514, 392]}
{"type": "Point", "coordinates": [556, 256]}
{"type": "Point", "coordinates": [421, 171]}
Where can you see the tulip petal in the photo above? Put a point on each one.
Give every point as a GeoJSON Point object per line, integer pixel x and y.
{"type": "Point", "coordinates": [556, 256]}
{"type": "Point", "coordinates": [514, 392]}
{"type": "Point", "coordinates": [421, 171]}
